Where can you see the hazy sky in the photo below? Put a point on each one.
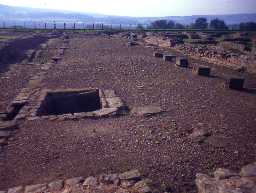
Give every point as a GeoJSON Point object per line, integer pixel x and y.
{"type": "Point", "coordinates": [144, 7]}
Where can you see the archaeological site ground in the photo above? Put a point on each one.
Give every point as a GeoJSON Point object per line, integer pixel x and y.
{"type": "Point", "coordinates": [127, 112]}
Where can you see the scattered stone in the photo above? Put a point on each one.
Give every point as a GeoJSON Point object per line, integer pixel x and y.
{"type": "Point", "coordinates": [249, 170]}
{"type": "Point", "coordinates": [158, 55]}
{"type": "Point", "coordinates": [74, 181]}
{"type": "Point", "coordinates": [109, 93]}
{"type": "Point", "coordinates": [202, 71]}
{"type": "Point", "coordinates": [127, 183]}
{"type": "Point", "coordinates": [109, 179]}
{"type": "Point", "coordinates": [18, 189]}
{"type": "Point", "coordinates": [38, 188]}
{"type": "Point", "coordinates": [199, 135]}
{"type": "Point", "coordinates": [222, 173]}
{"type": "Point", "coordinates": [56, 185]}
{"type": "Point", "coordinates": [130, 175]}
{"type": "Point", "coordinates": [236, 83]}
{"type": "Point", "coordinates": [142, 186]}
{"type": "Point", "coordinates": [206, 184]}
{"type": "Point", "coordinates": [106, 112]}
{"type": "Point", "coordinates": [146, 110]}
{"type": "Point", "coordinates": [90, 182]}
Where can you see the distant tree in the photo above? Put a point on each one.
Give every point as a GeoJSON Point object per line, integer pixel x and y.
{"type": "Point", "coordinates": [159, 24]}
{"type": "Point", "coordinates": [171, 24]}
{"type": "Point", "coordinates": [179, 26]}
{"type": "Point", "coordinates": [200, 23]}
{"type": "Point", "coordinates": [218, 24]}
{"type": "Point", "coordinates": [247, 26]}
{"type": "Point", "coordinates": [140, 27]}
{"type": "Point", "coordinates": [163, 24]}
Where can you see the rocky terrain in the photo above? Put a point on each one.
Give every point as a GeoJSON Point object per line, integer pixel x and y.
{"type": "Point", "coordinates": [172, 124]}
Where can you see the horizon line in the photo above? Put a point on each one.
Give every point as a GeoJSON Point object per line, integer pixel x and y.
{"type": "Point", "coordinates": [101, 14]}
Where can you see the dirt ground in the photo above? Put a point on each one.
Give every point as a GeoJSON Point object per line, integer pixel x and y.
{"type": "Point", "coordinates": [159, 146]}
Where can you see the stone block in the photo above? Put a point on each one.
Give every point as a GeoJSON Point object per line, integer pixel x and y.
{"type": "Point", "coordinates": [158, 55]}
{"type": "Point", "coordinates": [146, 110]}
{"type": "Point", "coordinates": [130, 175]}
{"type": "Point", "coordinates": [236, 83]}
{"type": "Point", "coordinates": [114, 102]}
{"type": "Point", "coordinates": [249, 170]}
{"type": "Point", "coordinates": [74, 181]}
{"type": "Point", "coordinates": [90, 182]}
{"type": "Point", "coordinates": [56, 185]}
{"type": "Point", "coordinates": [182, 62]}
{"type": "Point", "coordinates": [18, 189]}
{"type": "Point", "coordinates": [222, 173]}
{"type": "Point", "coordinates": [38, 188]}
{"type": "Point", "coordinates": [169, 58]}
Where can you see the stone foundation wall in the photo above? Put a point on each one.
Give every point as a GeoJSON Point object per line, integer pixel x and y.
{"type": "Point", "coordinates": [128, 182]}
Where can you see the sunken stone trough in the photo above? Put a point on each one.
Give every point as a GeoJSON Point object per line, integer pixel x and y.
{"type": "Point", "coordinates": [235, 83]}
{"type": "Point", "coordinates": [182, 62]}
{"type": "Point", "coordinates": [77, 104]}
{"type": "Point", "coordinates": [202, 71]}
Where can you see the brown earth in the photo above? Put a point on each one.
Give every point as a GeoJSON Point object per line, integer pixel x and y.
{"type": "Point", "coordinates": [159, 146]}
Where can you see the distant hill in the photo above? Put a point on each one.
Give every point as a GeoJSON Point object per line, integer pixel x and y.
{"type": "Point", "coordinates": [11, 13]}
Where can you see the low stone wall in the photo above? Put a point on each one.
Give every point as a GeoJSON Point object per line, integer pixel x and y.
{"type": "Point", "coordinates": [128, 182]}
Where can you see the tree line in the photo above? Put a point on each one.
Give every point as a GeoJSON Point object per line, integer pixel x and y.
{"type": "Point", "coordinates": [200, 23]}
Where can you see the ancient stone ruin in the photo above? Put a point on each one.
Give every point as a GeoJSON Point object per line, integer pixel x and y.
{"type": "Point", "coordinates": [227, 181]}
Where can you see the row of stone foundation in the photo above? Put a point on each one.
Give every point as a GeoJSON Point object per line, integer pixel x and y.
{"type": "Point", "coordinates": [221, 181]}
